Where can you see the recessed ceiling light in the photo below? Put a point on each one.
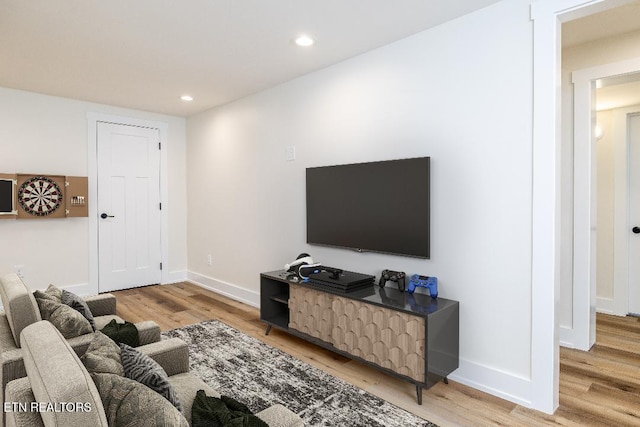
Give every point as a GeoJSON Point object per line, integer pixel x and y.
{"type": "Point", "coordinates": [186, 98]}
{"type": "Point", "coordinates": [304, 41]}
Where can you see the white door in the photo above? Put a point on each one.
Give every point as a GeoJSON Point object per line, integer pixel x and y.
{"type": "Point", "coordinates": [634, 214]}
{"type": "Point", "coordinates": [129, 248]}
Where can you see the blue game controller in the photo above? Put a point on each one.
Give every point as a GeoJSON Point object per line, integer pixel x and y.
{"type": "Point", "coordinates": [430, 283]}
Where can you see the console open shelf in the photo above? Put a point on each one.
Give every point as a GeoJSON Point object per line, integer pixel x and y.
{"type": "Point", "coordinates": [410, 336]}
{"type": "Point", "coordinates": [283, 298]}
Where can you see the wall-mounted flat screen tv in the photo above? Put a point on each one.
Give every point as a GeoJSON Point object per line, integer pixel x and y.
{"type": "Point", "coordinates": [7, 197]}
{"type": "Point", "coordinates": [376, 206]}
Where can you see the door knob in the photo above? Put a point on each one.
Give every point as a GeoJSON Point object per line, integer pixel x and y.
{"type": "Point", "coordinates": [105, 216]}
{"type": "Point", "coordinates": [636, 229]}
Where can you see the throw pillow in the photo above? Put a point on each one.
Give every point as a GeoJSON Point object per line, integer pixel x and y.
{"type": "Point", "coordinates": [51, 293]}
{"type": "Point", "coordinates": [208, 411]}
{"type": "Point", "coordinates": [143, 369]}
{"type": "Point", "coordinates": [54, 292]}
{"type": "Point", "coordinates": [78, 304]}
{"type": "Point", "coordinates": [69, 322]}
{"type": "Point", "coordinates": [103, 356]}
{"type": "Point", "coordinates": [129, 403]}
{"type": "Point", "coordinates": [122, 332]}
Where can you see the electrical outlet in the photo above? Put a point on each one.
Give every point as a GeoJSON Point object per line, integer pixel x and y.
{"type": "Point", "coordinates": [290, 153]}
{"type": "Point", "coordinates": [19, 269]}
{"type": "Point", "coordinates": [209, 260]}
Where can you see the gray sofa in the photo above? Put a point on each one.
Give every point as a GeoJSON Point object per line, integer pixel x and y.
{"type": "Point", "coordinates": [56, 374]}
{"type": "Point", "coordinates": [21, 310]}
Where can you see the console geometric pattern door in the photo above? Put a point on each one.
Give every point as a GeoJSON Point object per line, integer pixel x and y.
{"type": "Point", "coordinates": [310, 312]}
{"type": "Point", "coordinates": [387, 338]}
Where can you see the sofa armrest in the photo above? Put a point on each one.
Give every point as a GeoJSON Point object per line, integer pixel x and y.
{"type": "Point", "coordinates": [148, 332]}
{"type": "Point", "coordinates": [11, 368]}
{"type": "Point", "coordinates": [101, 305]}
{"type": "Point", "coordinates": [171, 354]}
{"type": "Point", "coordinates": [20, 307]}
{"type": "Point", "coordinates": [279, 416]}
{"type": "Point", "coordinates": [56, 374]}
{"type": "Point", "coordinates": [20, 396]}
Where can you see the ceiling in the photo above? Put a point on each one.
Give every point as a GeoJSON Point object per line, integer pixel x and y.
{"type": "Point", "coordinates": [610, 23]}
{"type": "Point", "coordinates": [145, 54]}
{"type": "Point", "coordinates": [613, 92]}
{"type": "Point", "coordinates": [617, 92]}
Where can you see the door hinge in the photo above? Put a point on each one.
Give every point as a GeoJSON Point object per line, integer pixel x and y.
{"type": "Point", "coordinates": [160, 266]}
{"type": "Point", "coordinates": [159, 145]}
{"type": "Point", "coordinates": [160, 205]}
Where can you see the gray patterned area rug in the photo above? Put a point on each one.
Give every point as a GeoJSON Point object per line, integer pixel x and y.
{"type": "Point", "coordinates": [244, 368]}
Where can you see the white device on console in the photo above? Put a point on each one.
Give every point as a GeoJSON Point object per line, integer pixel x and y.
{"type": "Point", "coordinates": [303, 261]}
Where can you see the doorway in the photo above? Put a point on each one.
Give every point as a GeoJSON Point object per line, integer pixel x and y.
{"type": "Point", "coordinates": [547, 243]}
{"type": "Point", "coordinates": [618, 104]}
{"type": "Point", "coordinates": [582, 333]}
{"type": "Point", "coordinates": [129, 252]}
{"type": "Point", "coordinates": [117, 209]}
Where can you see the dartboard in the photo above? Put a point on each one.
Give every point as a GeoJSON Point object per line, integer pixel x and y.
{"type": "Point", "coordinates": [40, 196]}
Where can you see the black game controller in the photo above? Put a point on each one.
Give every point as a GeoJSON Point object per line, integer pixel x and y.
{"type": "Point", "coordinates": [335, 272]}
{"type": "Point", "coordinates": [394, 276]}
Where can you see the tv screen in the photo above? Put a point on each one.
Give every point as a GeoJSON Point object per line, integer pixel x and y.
{"type": "Point", "coordinates": [377, 206]}
{"type": "Point", "coordinates": [6, 196]}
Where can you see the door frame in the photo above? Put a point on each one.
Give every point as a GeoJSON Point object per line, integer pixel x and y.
{"type": "Point", "coordinates": [546, 245]}
{"type": "Point", "coordinates": [92, 120]}
{"type": "Point", "coordinates": [584, 296]}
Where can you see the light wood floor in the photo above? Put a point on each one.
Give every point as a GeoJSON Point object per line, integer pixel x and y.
{"type": "Point", "coordinates": [597, 388]}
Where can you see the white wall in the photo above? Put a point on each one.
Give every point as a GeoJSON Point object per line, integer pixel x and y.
{"type": "Point", "coordinates": [45, 134]}
{"type": "Point", "coordinates": [606, 202]}
{"type": "Point", "coordinates": [460, 93]}
{"type": "Point", "coordinates": [599, 52]}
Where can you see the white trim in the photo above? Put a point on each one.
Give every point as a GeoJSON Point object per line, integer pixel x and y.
{"type": "Point", "coordinates": [545, 263]}
{"type": "Point", "coordinates": [80, 289]}
{"type": "Point", "coordinates": [498, 383]}
{"type": "Point", "coordinates": [583, 335]}
{"type": "Point", "coordinates": [568, 10]}
{"type": "Point", "coordinates": [227, 289]}
{"type": "Point", "coordinates": [502, 384]}
{"type": "Point", "coordinates": [93, 119]}
{"type": "Point", "coordinates": [175, 277]}
{"type": "Point", "coordinates": [566, 336]}
{"type": "Point", "coordinates": [605, 305]}
{"type": "Point", "coordinates": [545, 357]}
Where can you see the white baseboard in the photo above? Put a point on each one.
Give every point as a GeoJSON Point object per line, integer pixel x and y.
{"type": "Point", "coordinates": [81, 289]}
{"type": "Point", "coordinates": [507, 386]}
{"type": "Point", "coordinates": [498, 383]}
{"type": "Point", "coordinates": [605, 305]}
{"type": "Point", "coordinates": [573, 338]}
{"type": "Point", "coordinates": [174, 277]}
{"type": "Point", "coordinates": [85, 289]}
{"type": "Point", "coordinates": [566, 337]}
{"type": "Point", "coordinates": [230, 290]}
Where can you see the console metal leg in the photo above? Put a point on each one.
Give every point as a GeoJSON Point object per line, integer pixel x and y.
{"type": "Point", "coordinates": [419, 393]}
{"type": "Point", "coordinates": [268, 330]}
{"type": "Point", "coordinates": [446, 380]}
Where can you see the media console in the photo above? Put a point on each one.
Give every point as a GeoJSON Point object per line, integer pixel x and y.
{"type": "Point", "coordinates": [410, 336]}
